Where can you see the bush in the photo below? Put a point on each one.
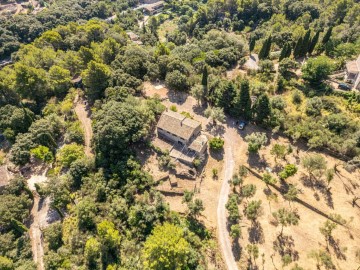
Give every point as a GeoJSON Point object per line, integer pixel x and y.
{"type": "Point", "coordinates": [43, 153]}
{"type": "Point", "coordinates": [173, 108]}
{"type": "Point", "coordinates": [216, 144]}
{"type": "Point", "coordinates": [313, 106]}
{"type": "Point", "coordinates": [215, 173]}
{"type": "Point", "coordinates": [296, 97]}
{"type": "Point", "coordinates": [255, 141]}
{"type": "Point", "coordinates": [289, 170]}
{"type": "Point", "coordinates": [6, 264]}
{"type": "Point", "coordinates": [69, 153]}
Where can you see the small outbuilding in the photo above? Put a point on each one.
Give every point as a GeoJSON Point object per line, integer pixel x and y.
{"type": "Point", "coordinates": [352, 73]}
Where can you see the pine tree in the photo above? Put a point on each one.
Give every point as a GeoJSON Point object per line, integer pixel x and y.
{"type": "Point", "coordinates": [297, 48]}
{"type": "Point", "coordinates": [327, 36]}
{"type": "Point", "coordinates": [263, 109]}
{"type": "Point", "coordinates": [305, 44]}
{"type": "Point", "coordinates": [252, 44]}
{"type": "Point", "coordinates": [313, 42]}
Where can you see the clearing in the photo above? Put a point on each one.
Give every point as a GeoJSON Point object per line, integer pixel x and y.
{"type": "Point", "coordinates": [315, 202]}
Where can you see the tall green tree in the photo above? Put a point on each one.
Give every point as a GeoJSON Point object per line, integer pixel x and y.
{"type": "Point", "coordinates": [242, 106]}
{"type": "Point", "coordinates": [166, 248]}
{"type": "Point", "coordinates": [313, 42]}
{"type": "Point", "coordinates": [95, 79]}
{"type": "Point", "coordinates": [31, 82]}
{"type": "Point", "coordinates": [262, 109]}
{"type": "Point", "coordinates": [305, 44]}
{"type": "Point", "coordinates": [327, 35]}
{"type": "Point", "coordinates": [297, 48]}
{"type": "Point", "coordinates": [252, 44]}
{"type": "Point", "coordinates": [204, 79]}
{"type": "Point", "coordinates": [284, 51]}
{"type": "Point", "coordinates": [228, 97]}
{"type": "Point", "coordinates": [317, 70]}
{"type": "Point", "coordinates": [265, 49]}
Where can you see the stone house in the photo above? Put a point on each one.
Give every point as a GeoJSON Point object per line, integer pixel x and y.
{"type": "Point", "coordinates": [184, 134]}
{"type": "Point", "coordinates": [154, 8]}
{"type": "Point", "coordinates": [352, 73]}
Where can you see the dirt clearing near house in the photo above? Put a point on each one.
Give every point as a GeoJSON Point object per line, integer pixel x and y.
{"type": "Point", "coordinates": [302, 243]}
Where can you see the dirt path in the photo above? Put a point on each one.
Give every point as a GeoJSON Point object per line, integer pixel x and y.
{"type": "Point", "coordinates": [82, 114]}
{"type": "Point", "coordinates": [39, 216]}
{"type": "Point", "coordinates": [224, 240]}
{"type": "Point", "coordinates": [36, 235]}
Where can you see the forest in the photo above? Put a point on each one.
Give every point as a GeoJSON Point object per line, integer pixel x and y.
{"type": "Point", "coordinates": [110, 214]}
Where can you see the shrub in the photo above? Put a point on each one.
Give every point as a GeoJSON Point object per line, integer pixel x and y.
{"type": "Point", "coordinates": [314, 106]}
{"type": "Point", "coordinates": [296, 97]}
{"type": "Point", "coordinates": [255, 141]}
{"type": "Point", "coordinates": [216, 144]}
{"type": "Point", "coordinates": [215, 173]}
{"type": "Point", "coordinates": [173, 108]}
{"type": "Point", "coordinates": [69, 153]}
{"type": "Point", "coordinates": [43, 153]}
{"type": "Point", "coordinates": [289, 170]}
{"type": "Point", "coordinates": [6, 264]}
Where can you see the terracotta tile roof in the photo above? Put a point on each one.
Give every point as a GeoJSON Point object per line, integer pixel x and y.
{"type": "Point", "coordinates": [178, 124]}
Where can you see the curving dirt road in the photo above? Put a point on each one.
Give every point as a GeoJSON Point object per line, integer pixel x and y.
{"type": "Point", "coordinates": [224, 239]}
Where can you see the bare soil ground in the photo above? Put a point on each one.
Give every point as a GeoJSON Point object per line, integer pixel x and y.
{"type": "Point", "coordinates": [83, 114]}
{"type": "Point", "coordinates": [40, 216]}
{"type": "Point", "coordinates": [301, 239]}
{"type": "Point", "coordinates": [306, 237]}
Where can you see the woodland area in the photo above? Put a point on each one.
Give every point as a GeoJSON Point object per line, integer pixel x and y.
{"type": "Point", "coordinates": [111, 215]}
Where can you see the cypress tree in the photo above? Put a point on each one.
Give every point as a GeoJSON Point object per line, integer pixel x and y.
{"type": "Point", "coordinates": [268, 47]}
{"type": "Point", "coordinates": [205, 75]}
{"type": "Point", "coordinates": [327, 36]}
{"type": "Point", "coordinates": [283, 52]}
{"type": "Point", "coordinates": [262, 50]}
{"type": "Point", "coordinates": [263, 109]}
{"type": "Point", "coordinates": [244, 100]}
{"type": "Point", "coordinates": [143, 28]}
{"type": "Point", "coordinates": [265, 49]}
{"type": "Point", "coordinates": [305, 44]}
{"type": "Point", "coordinates": [313, 42]}
{"type": "Point", "coordinates": [228, 97]}
{"type": "Point", "coordinates": [288, 52]}
{"type": "Point", "coordinates": [297, 49]}
{"type": "Point", "coordinates": [252, 44]}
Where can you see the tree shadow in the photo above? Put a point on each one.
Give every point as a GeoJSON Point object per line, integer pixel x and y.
{"type": "Point", "coordinates": [217, 155]}
{"type": "Point", "coordinates": [199, 109]}
{"type": "Point", "coordinates": [319, 186]}
{"type": "Point", "coordinates": [337, 249]}
{"type": "Point", "coordinates": [215, 130]}
{"type": "Point", "coordinates": [256, 233]}
{"type": "Point", "coordinates": [255, 161]}
{"type": "Point", "coordinates": [236, 249]}
{"type": "Point", "coordinates": [177, 97]}
{"type": "Point", "coordinates": [284, 245]}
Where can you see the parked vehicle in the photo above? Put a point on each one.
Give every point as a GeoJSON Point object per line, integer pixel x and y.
{"type": "Point", "coordinates": [344, 86]}
{"type": "Point", "coordinates": [242, 125]}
